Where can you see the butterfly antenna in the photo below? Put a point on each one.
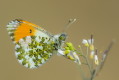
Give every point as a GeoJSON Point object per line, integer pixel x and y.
{"type": "Point", "coordinates": [71, 21]}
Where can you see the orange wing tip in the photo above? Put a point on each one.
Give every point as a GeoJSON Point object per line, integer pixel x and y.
{"type": "Point", "coordinates": [18, 29]}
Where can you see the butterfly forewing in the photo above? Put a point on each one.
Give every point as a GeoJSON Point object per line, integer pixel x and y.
{"type": "Point", "coordinates": [18, 29]}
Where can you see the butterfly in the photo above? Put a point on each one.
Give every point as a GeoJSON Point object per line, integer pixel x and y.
{"type": "Point", "coordinates": [33, 44]}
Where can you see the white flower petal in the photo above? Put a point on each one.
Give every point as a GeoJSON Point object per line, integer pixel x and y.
{"type": "Point", "coordinates": [96, 60]}
{"type": "Point", "coordinates": [76, 57]}
{"type": "Point", "coordinates": [90, 41]}
{"type": "Point", "coordinates": [96, 57]}
{"type": "Point", "coordinates": [84, 41]}
{"type": "Point", "coordinates": [60, 52]}
{"type": "Point", "coordinates": [92, 52]}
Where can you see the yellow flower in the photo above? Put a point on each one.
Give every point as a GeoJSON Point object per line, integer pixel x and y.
{"type": "Point", "coordinates": [69, 44]}
{"type": "Point", "coordinates": [70, 57]}
{"type": "Point", "coordinates": [67, 48]}
{"type": "Point", "coordinates": [79, 46]}
{"type": "Point", "coordinates": [91, 41]}
{"type": "Point", "coordinates": [92, 47]}
{"type": "Point", "coordinates": [67, 51]}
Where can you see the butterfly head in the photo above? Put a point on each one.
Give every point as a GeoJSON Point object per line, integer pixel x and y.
{"type": "Point", "coordinates": [59, 40]}
{"type": "Point", "coordinates": [63, 37]}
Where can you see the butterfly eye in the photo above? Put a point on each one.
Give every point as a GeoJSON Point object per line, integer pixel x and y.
{"type": "Point", "coordinates": [63, 36]}
{"type": "Point", "coordinates": [30, 31]}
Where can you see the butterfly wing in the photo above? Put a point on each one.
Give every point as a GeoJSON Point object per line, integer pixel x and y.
{"type": "Point", "coordinates": [34, 46]}
{"type": "Point", "coordinates": [18, 29]}
{"type": "Point", "coordinates": [32, 52]}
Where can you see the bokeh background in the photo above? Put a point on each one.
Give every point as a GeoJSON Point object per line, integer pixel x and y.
{"type": "Point", "coordinates": [98, 17]}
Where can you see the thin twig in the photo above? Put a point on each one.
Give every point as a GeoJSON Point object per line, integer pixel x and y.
{"type": "Point", "coordinates": [87, 52]}
{"type": "Point", "coordinates": [89, 66]}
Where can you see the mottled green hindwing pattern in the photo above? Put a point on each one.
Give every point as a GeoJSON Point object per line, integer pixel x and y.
{"type": "Point", "coordinates": [33, 51]}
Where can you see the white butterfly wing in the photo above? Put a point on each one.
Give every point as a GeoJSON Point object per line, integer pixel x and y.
{"type": "Point", "coordinates": [32, 53]}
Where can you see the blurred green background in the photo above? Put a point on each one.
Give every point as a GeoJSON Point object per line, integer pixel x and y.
{"type": "Point", "coordinates": [98, 17]}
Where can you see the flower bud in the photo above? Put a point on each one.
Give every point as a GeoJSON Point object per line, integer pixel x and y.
{"type": "Point", "coordinates": [85, 42]}
{"type": "Point", "coordinates": [92, 54]}
{"type": "Point", "coordinates": [67, 51]}
{"type": "Point", "coordinates": [96, 60]}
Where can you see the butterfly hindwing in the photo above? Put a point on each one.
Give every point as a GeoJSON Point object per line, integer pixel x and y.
{"type": "Point", "coordinates": [32, 52]}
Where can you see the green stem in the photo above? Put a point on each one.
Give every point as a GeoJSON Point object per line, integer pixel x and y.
{"type": "Point", "coordinates": [87, 52]}
{"type": "Point", "coordinates": [89, 66]}
{"type": "Point", "coordinates": [82, 72]}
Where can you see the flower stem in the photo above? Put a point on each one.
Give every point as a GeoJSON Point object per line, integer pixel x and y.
{"type": "Point", "coordinates": [87, 52]}
{"type": "Point", "coordinates": [89, 66]}
{"type": "Point", "coordinates": [82, 72]}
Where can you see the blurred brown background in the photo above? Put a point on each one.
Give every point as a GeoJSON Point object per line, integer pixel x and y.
{"type": "Point", "coordinates": [98, 17]}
